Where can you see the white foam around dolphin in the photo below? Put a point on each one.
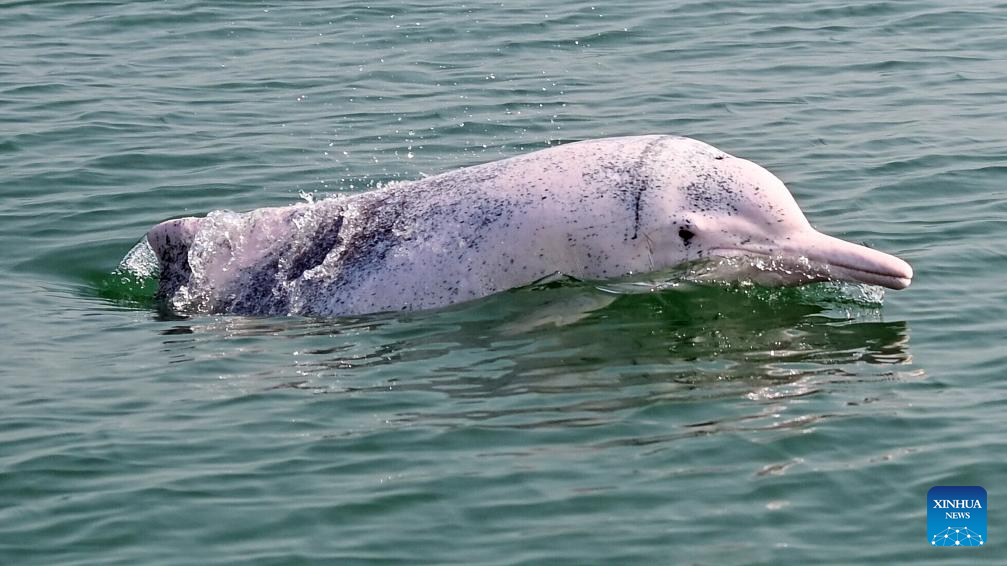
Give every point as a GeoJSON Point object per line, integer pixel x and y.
{"type": "Point", "coordinates": [595, 209]}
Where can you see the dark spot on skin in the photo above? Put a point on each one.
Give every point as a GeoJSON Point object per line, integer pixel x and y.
{"type": "Point", "coordinates": [175, 270]}
{"type": "Point", "coordinates": [257, 292]}
{"type": "Point", "coordinates": [321, 243]}
{"type": "Point", "coordinates": [367, 247]}
{"type": "Point", "coordinates": [633, 180]}
{"type": "Point", "coordinates": [686, 235]}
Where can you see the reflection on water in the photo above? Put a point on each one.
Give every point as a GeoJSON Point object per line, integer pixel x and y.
{"type": "Point", "coordinates": [570, 355]}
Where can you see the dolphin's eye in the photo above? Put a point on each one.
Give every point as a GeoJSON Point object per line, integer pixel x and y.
{"type": "Point", "coordinates": [685, 234]}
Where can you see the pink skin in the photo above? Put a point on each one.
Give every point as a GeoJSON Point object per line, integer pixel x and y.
{"type": "Point", "coordinates": [596, 209]}
{"type": "Point", "coordinates": [766, 222]}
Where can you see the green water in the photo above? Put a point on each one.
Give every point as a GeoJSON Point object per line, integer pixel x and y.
{"type": "Point", "coordinates": [699, 425]}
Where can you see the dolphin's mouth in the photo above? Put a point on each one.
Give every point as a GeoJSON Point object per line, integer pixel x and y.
{"type": "Point", "coordinates": [852, 273]}
{"type": "Point", "coordinates": [816, 257]}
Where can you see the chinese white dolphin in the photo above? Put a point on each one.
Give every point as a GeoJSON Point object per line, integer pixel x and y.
{"type": "Point", "coordinates": [596, 209]}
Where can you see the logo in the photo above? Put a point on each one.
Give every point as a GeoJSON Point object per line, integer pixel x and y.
{"type": "Point", "coordinates": [956, 516]}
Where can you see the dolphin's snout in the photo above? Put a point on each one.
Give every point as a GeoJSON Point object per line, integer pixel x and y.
{"type": "Point", "coordinates": [853, 262]}
{"type": "Point", "coordinates": [809, 255]}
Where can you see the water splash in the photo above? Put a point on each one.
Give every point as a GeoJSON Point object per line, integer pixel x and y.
{"type": "Point", "coordinates": [139, 262]}
{"type": "Point", "coordinates": [761, 277]}
{"type": "Point", "coordinates": [134, 281]}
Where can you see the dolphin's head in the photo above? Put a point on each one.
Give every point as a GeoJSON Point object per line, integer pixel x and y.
{"type": "Point", "coordinates": [714, 205]}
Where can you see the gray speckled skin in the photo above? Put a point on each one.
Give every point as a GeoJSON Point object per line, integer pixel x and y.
{"type": "Point", "coordinates": [594, 210]}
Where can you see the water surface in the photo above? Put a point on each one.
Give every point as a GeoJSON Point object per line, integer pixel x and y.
{"type": "Point", "coordinates": [697, 425]}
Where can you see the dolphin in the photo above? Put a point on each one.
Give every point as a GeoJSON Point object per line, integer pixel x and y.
{"type": "Point", "coordinates": [593, 210]}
